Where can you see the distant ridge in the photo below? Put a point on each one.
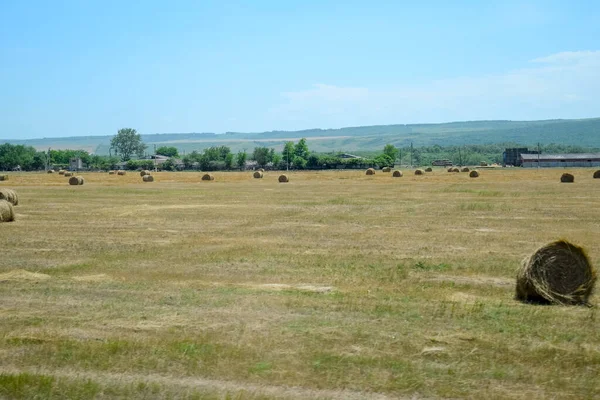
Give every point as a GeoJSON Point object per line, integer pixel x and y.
{"type": "Point", "coordinates": [583, 132]}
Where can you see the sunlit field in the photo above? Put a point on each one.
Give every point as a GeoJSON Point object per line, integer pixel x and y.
{"type": "Point", "coordinates": [334, 285]}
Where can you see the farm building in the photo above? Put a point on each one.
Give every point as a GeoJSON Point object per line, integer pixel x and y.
{"type": "Point", "coordinates": [560, 160]}
{"type": "Point", "coordinates": [512, 156]}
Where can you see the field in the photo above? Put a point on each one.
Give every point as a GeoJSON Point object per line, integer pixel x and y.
{"type": "Point", "coordinates": [334, 285]}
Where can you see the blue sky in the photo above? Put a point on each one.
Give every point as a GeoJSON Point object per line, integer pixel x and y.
{"type": "Point", "coordinates": [71, 68]}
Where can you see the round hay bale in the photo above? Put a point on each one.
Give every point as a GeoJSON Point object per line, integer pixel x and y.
{"type": "Point", "coordinates": [370, 171]}
{"type": "Point", "coordinates": [148, 178]}
{"type": "Point", "coordinates": [7, 213]}
{"type": "Point", "coordinates": [9, 195]}
{"type": "Point", "coordinates": [76, 180]}
{"type": "Point", "coordinates": [455, 169]}
{"type": "Point", "coordinates": [3, 177]}
{"type": "Point", "coordinates": [50, 171]}
{"type": "Point", "coordinates": [261, 169]}
{"type": "Point", "coordinates": [386, 169]}
{"type": "Point", "coordinates": [483, 164]}
{"type": "Point", "coordinates": [61, 171]}
{"type": "Point", "coordinates": [597, 174]}
{"type": "Point", "coordinates": [208, 177]}
{"type": "Point", "coordinates": [465, 169]}
{"type": "Point", "coordinates": [258, 174]}
{"type": "Point", "coordinates": [283, 178]}
{"type": "Point", "coordinates": [567, 178]}
{"type": "Point", "coordinates": [419, 172]}
{"type": "Point", "coordinates": [112, 172]}
{"type": "Point", "coordinates": [68, 174]}
{"type": "Point", "coordinates": [428, 169]}
{"type": "Point", "coordinates": [557, 273]}
{"type": "Point", "coordinates": [121, 172]}
{"type": "Point", "coordinates": [145, 172]}
{"type": "Point", "coordinates": [397, 174]}
{"type": "Point", "coordinates": [474, 174]}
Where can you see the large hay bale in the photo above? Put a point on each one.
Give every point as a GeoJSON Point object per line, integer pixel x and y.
{"type": "Point", "coordinates": [61, 171]}
{"type": "Point", "coordinates": [428, 169]}
{"type": "Point", "coordinates": [50, 171]}
{"type": "Point", "coordinates": [145, 172]}
{"type": "Point", "coordinates": [455, 169]}
{"type": "Point", "coordinates": [9, 195]}
{"type": "Point", "coordinates": [76, 180]}
{"type": "Point", "coordinates": [370, 171]}
{"type": "Point", "coordinates": [148, 178]}
{"type": "Point", "coordinates": [397, 174]}
{"type": "Point", "coordinates": [474, 174]}
{"type": "Point", "coordinates": [567, 178]}
{"type": "Point", "coordinates": [7, 213]}
{"type": "Point", "coordinates": [3, 177]}
{"type": "Point", "coordinates": [597, 174]}
{"type": "Point", "coordinates": [386, 169]}
{"type": "Point", "coordinates": [283, 178]}
{"type": "Point", "coordinates": [419, 172]}
{"type": "Point", "coordinates": [557, 273]}
{"type": "Point", "coordinates": [451, 169]}
{"type": "Point", "coordinates": [261, 169]}
{"type": "Point", "coordinates": [68, 174]}
{"type": "Point", "coordinates": [465, 169]}
{"type": "Point", "coordinates": [208, 177]}
{"type": "Point", "coordinates": [112, 172]}
{"type": "Point", "coordinates": [258, 174]}
{"type": "Point", "coordinates": [121, 172]}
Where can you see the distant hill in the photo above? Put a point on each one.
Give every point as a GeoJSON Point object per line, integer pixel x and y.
{"type": "Point", "coordinates": [582, 132]}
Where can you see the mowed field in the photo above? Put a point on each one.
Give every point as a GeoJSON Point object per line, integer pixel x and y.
{"type": "Point", "coordinates": [334, 285]}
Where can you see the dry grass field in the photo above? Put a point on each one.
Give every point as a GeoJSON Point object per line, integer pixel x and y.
{"type": "Point", "coordinates": [334, 285]}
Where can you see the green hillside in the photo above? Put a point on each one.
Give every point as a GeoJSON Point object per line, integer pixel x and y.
{"type": "Point", "coordinates": [583, 132]}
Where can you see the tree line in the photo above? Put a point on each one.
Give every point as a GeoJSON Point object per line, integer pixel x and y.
{"type": "Point", "coordinates": [127, 144]}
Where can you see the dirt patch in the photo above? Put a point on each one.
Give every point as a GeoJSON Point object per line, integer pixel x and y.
{"type": "Point", "coordinates": [282, 286]}
{"type": "Point", "coordinates": [460, 297]}
{"type": "Point", "coordinates": [472, 280]}
{"type": "Point", "coordinates": [20, 275]}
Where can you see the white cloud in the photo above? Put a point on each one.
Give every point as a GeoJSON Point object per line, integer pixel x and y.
{"type": "Point", "coordinates": [562, 85]}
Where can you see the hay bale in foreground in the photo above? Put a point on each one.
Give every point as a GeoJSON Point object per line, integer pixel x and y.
{"type": "Point", "coordinates": [465, 169]}
{"type": "Point", "coordinates": [370, 171]}
{"type": "Point", "coordinates": [474, 174]}
{"type": "Point", "coordinates": [3, 177]}
{"type": "Point", "coordinates": [9, 195]}
{"type": "Point", "coordinates": [76, 180]}
{"type": "Point", "coordinates": [567, 178]}
{"type": "Point", "coordinates": [145, 172]}
{"type": "Point", "coordinates": [148, 178]}
{"type": "Point", "coordinates": [597, 174]}
{"type": "Point", "coordinates": [557, 273]}
{"type": "Point", "coordinates": [121, 172]}
{"type": "Point", "coordinates": [428, 169]}
{"type": "Point", "coordinates": [208, 177]}
{"type": "Point", "coordinates": [283, 178]}
{"type": "Point", "coordinates": [397, 174]}
{"type": "Point", "coordinates": [7, 213]}
{"type": "Point", "coordinates": [451, 169]}
{"type": "Point", "coordinates": [455, 169]}
{"type": "Point", "coordinates": [386, 169]}
{"type": "Point", "coordinates": [419, 172]}
{"type": "Point", "coordinates": [258, 174]}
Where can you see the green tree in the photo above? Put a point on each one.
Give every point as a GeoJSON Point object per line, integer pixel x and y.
{"type": "Point", "coordinates": [229, 161]}
{"type": "Point", "coordinates": [301, 149]}
{"type": "Point", "coordinates": [262, 155]}
{"type": "Point", "coordinates": [391, 151]}
{"type": "Point", "coordinates": [128, 142]}
{"type": "Point", "coordinates": [240, 159]}
{"type": "Point", "coordinates": [288, 152]}
{"type": "Point", "coordinates": [167, 151]}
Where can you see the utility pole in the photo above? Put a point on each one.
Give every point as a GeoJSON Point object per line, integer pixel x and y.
{"type": "Point", "coordinates": [411, 154]}
{"type": "Point", "coordinates": [538, 155]}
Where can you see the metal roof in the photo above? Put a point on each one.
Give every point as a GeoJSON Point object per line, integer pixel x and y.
{"type": "Point", "coordinates": [574, 156]}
